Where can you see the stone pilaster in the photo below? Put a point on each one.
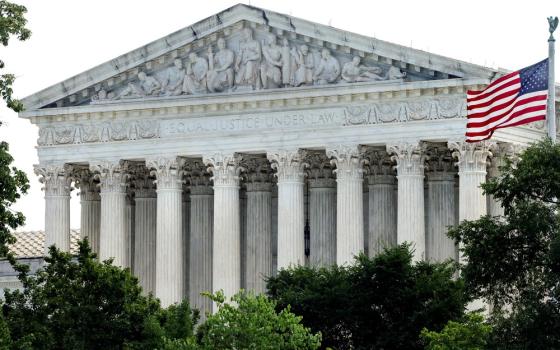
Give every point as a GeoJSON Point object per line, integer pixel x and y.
{"type": "Point", "coordinates": [289, 168]}
{"type": "Point", "coordinates": [471, 159]}
{"type": "Point", "coordinates": [226, 263]}
{"type": "Point", "coordinates": [322, 210]}
{"type": "Point", "coordinates": [410, 159]}
{"type": "Point", "coordinates": [258, 241]}
{"type": "Point", "coordinates": [113, 231]}
{"type": "Point", "coordinates": [441, 205]}
{"type": "Point", "coordinates": [145, 229]}
{"type": "Point", "coordinates": [90, 201]}
{"type": "Point", "coordinates": [348, 160]}
{"type": "Point", "coordinates": [382, 203]}
{"type": "Point", "coordinates": [56, 181]}
{"type": "Point", "coordinates": [169, 229]}
{"type": "Point", "coordinates": [201, 237]}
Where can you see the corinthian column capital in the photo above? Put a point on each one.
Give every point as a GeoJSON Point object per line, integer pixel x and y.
{"type": "Point", "coordinates": [471, 156]}
{"type": "Point", "coordinates": [143, 182]}
{"type": "Point", "coordinates": [410, 157]}
{"type": "Point", "coordinates": [348, 160]}
{"type": "Point", "coordinates": [168, 171]}
{"type": "Point", "coordinates": [55, 178]}
{"type": "Point", "coordinates": [87, 183]}
{"type": "Point", "coordinates": [502, 152]}
{"type": "Point", "coordinates": [225, 168]}
{"type": "Point", "coordinates": [112, 175]}
{"type": "Point", "coordinates": [289, 164]}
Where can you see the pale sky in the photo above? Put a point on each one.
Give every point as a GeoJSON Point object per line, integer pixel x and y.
{"type": "Point", "coordinates": [71, 36]}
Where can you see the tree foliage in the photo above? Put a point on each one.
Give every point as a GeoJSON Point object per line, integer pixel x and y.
{"type": "Point", "coordinates": [13, 182]}
{"type": "Point", "coordinates": [469, 334]}
{"type": "Point", "coordinates": [379, 303]}
{"type": "Point", "coordinates": [514, 261]}
{"type": "Point", "coordinates": [80, 303]}
{"type": "Point", "coordinates": [252, 322]}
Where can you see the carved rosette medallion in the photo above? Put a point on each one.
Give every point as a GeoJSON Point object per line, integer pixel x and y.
{"type": "Point", "coordinates": [289, 165]}
{"type": "Point", "coordinates": [410, 158]}
{"type": "Point", "coordinates": [168, 172]}
{"type": "Point", "coordinates": [55, 178]}
{"type": "Point", "coordinates": [471, 156]}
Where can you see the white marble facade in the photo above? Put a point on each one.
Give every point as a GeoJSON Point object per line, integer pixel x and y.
{"type": "Point", "coordinates": [203, 158]}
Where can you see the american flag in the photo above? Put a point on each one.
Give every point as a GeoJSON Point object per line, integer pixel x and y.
{"type": "Point", "coordinates": [514, 99]}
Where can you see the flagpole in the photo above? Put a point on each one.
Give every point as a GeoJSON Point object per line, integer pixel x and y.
{"type": "Point", "coordinates": [551, 107]}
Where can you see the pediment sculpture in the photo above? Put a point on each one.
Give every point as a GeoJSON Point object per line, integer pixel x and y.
{"type": "Point", "coordinates": [243, 63]}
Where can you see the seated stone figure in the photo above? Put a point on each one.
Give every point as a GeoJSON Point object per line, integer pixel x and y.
{"type": "Point", "coordinates": [395, 73]}
{"type": "Point", "coordinates": [328, 69]}
{"type": "Point", "coordinates": [304, 65]}
{"type": "Point", "coordinates": [271, 75]}
{"type": "Point", "coordinates": [220, 73]}
{"type": "Point", "coordinates": [195, 79]}
{"type": "Point", "coordinates": [172, 82]}
{"type": "Point", "coordinates": [354, 72]}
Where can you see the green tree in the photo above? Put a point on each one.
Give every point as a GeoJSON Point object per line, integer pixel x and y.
{"type": "Point", "coordinates": [13, 182]}
{"type": "Point", "coordinates": [514, 261]}
{"type": "Point", "coordinates": [469, 334]}
{"type": "Point", "coordinates": [379, 303]}
{"type": "Point", "coordinates": [251, 322]}
{"type": "Point", "coordinates": [80, 303]}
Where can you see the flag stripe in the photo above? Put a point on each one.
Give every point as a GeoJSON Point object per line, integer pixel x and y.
{"type": "Point", "coordinates": [515, 99]}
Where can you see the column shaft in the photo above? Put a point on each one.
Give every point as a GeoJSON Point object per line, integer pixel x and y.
{"type": "Point", "coordinates": [259, 236]}
{"type": "Point", "coordinates": [441, 215]}
{"type": "Point", "coordinates": [322, 215]}
{"type": "Point", "coordinates": [90, 218]}
{"type": "Point", "coordinates": [113, 232]}
{"type": "Point", "coordinates": [145, 241]}
{"type": "Point", "coordinates": [186, 214]}
{"type": "Point", "coordinates": [382, 213]}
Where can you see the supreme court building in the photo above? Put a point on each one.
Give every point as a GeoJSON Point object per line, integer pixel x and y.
{"type": "Point", "coordinates": [252, 141]}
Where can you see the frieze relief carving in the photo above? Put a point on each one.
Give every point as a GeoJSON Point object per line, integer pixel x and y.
{"type": "Point", "coordinates": [248, 59]}
{"type": "Point", "coordinates": [365, 114]}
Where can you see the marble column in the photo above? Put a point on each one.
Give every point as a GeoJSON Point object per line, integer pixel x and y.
{"type": "Point", "coordinates": [258, 241]}
{"type": "Point", "coordinates": [411, 228]}
{"type": "Point", "coordinates": [226, 261]}
{"type": "Point", "coordinates": [471, 159]}
{"type": "Point", "coordinates": [289, 168]}
{"type": "Point", "coordinates": [201, 237]}
{"type": "Point", "coordinates": [169, 229]}
{"type": "Point", "coordinates": [113, 231]}
{"type": "Point", "coordinates": [322, 210]}
{"type": "Point", "coordinates": [441, 205]}
{"type": "Point", "coordinates": [90, 202]}
{"type": "Point", "coordinates": [274, 228]}
{"type": "Point", "coordinates": [365, 206]}
{"type": "Point", "coordinates": [349, 202]}
{"type": "Point", "coordinates": [186, 214]}
{"type": "Point", "coordinates": [145, 229]}
{"type": "Point", "coordinates": [56, 181]}
{"type": "Point", "coordinates": [500, 152]}
{"type": "Point", "coordinates": [130, 219]}
{"type": "Point", "coordinates": [382, 203]}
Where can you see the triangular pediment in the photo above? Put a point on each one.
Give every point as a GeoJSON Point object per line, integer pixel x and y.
{"type": "Point", "coordinates": [247, 48]}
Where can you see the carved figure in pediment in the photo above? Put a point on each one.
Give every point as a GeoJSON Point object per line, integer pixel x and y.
{"type": "Point", "coordinates": [287, 64]}
{"type": "Point", "coordinates": [271, 75]}
{"type": "Point", "coordinates": [304, 65]}
{"type": "Point", "coordinates": [328, 69]}
{"type": "Point", "coordinates": [353, 71]}
{"type": "Point", "coordinates": [173, 79]}
{"type": "Point", "coordinates": [248, 60]}
{"type": "Point", "coordinates": [195, 79]}
{"type": "Point", "coordinates": [395, 73]}
{"type": "Point", "coordinates": [220, 73]}
{"type": "Point", "coordinates": [147, 86]}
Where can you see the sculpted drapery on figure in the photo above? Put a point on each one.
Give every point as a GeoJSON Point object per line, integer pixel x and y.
{"type": "Point", "coordinates": [220, 73]}
{"type": "Point", "coordinates": [247, 62]}
{"type": "Point", "coordinates": [253, 65]}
